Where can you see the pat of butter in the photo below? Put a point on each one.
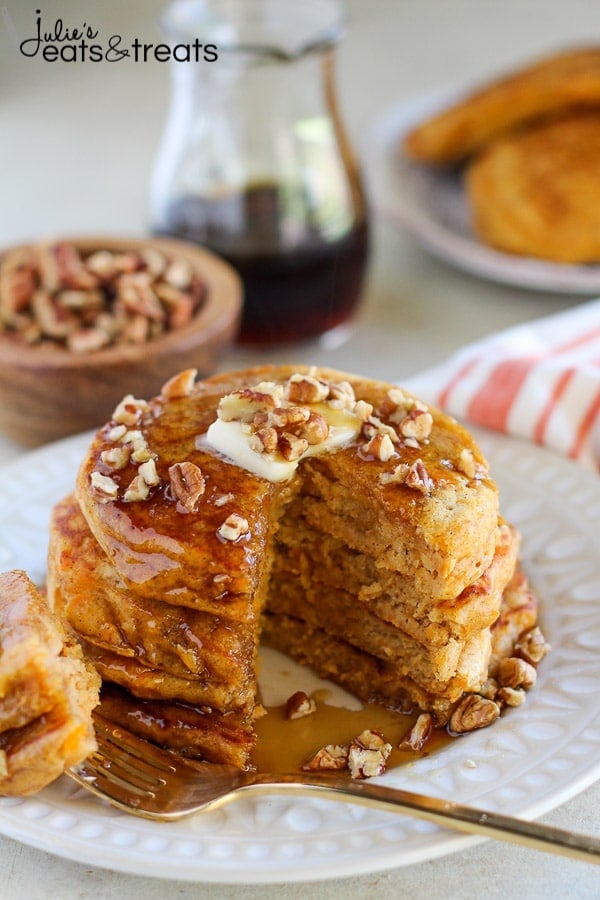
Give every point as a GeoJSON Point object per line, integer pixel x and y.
{"type": "Point", "coordinates": [232, 441]}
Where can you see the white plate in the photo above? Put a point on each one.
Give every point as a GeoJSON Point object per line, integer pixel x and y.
{"type": "Point", "coordinates": [531, 760]}
{"type": "Point", "coordinates": [432, 206]}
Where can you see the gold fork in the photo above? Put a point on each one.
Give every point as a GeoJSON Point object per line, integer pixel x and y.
{"type": "Point", "coordinates": [141, 779]}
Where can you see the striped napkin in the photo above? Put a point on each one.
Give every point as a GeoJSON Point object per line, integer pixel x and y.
{"type": "Point", "coordinates": [539, 381]}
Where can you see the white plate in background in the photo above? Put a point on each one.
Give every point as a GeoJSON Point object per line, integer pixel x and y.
{"type": "Point", "coordinates": [431, 204]}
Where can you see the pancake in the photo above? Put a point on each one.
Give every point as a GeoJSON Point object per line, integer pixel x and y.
{"type": "Point", "coordinates": [553, 86]}
{"type": "Point", "coordinates": [47, 691]}
{"type": "Point", "coordinates": [537, 192]}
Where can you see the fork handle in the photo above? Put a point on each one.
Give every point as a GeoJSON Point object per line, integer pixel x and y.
{"type": "Point", "coordinates": [534, 835]}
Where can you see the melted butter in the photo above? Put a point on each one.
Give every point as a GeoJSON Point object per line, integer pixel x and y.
{"type": "Point", "coordinates": [285, 745]}
{"type": "Point", "coordinates": [232, 441]}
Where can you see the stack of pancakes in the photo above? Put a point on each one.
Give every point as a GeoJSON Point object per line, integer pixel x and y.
{"type": "Point", "coordinates": [385, 571]}
{"type": "Point", "coordinates": [529, 144]}
{"type": "Point", "coordinates": [368, 628]}
{"type": "Point", "coordinates": [47, 692]}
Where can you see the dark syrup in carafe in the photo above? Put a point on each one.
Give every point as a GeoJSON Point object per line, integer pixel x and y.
{"type": "Point", "coordinates": [294, 288]}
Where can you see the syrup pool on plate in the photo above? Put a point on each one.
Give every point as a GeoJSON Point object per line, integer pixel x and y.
{"type": "Point", "coordinates": [285, 745]}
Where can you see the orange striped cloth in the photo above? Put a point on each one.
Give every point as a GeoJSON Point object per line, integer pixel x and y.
{"type": "Point", "coordinates": [539, 381]}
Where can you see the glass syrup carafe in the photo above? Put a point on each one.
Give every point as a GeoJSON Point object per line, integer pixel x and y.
{"type": "Point", "coordinates": [255, 165]}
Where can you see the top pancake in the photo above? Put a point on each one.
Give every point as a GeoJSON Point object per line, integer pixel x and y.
{"type": "Point", "coordinates": [444, 537]}
{"type": "Point", "coordinates": [553, 86]}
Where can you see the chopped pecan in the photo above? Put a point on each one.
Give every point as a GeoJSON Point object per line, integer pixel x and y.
{"type": "Point", "coordinates": [179, 274]}
{"type": "Point", "coordinates": [289, 417]}
{"type": "Point", "coordinates": [292, 447]}
{"type": "Point", "coordinates": [80, 300]}
{"type": "Point", "coordinates": [264, 440]}
{"type": "Point", "coordinates": [135, 330]}
{"type": "Point", "coordinates": [363, 410]}
{"type": "Point", "coordinates": [368, 754]}
{"type": "Point", "coordinates": [132, 436]}
{"type": "Point", "coordinates": [417, 477]}
{"type": "Point", "coordinates": [515, 672]}
{"type": "Point", "coordinates": [149, 472]}
{"type": "Point", "coordinates": [315, 430]}
{"type": "Point", "coordinates": [243, 405]}
{"type": "Point", "coordinates": [17, 286]}
{"type": "Point", "coordinates": [273, 388]}
{"type": "Point", "coordinates": [126, 262]}
{"type": "Point", "coordinates": [509, 696]}
{"type": "Point", "coordinates": [414, 476]}
{"type": "Point", "coordinates": [141, 452]}
{"type": "Point", "coordinates": [397, 405]}
{"type": "Point", "coordinates": [136, 294]}
{"type": "Point", "coordinates": [178, 305]}
{"type": "Point", "coordinates": [489, 689]}
{"type": "Point", "coordinates": [332, 756]}
{"type": "Point", "coordinates": [102, 264]}
{"type": "Point", "coordinates": [104, 488]}
{"type": "Point", "coordinates": [116, 432]}
{"type": "Point", "coordinates": [374, 426]}
{"type": "Point", "coordinates": [54, 320]}
{"type": "Point", "coordinates": [299, 705]}
{"type": "Point", "coordinates": [111, 323]}
{"type": "Point", "coordinates": [468, 465]}
{"type": "Point", "coordinates": [86, 340]}
{"type": "Point", "coordinates": [341, 395]}
{"type": "Point", "coordinates": [416, 424]}
{"type": "Point", "coordinates": [233, 527]}
{"type": "Point", "coordinates": [473, 712]}
{"type": "Point", "coordinates": [138, 489]}
{"type": "Point", "coordinates": [180, 385]}
{"type": "Point", "coordinates": [153, 260]}
{"type": "Point", "coordinates": [306, 389]}
{"type": "Point", "coordinates": [30, 332]}
{"type": "Point", "coordinates": [130, 410]}
{"type": "Point", "coordinates": [116, 457]}
{"type": "Point", "coordinates": [396, 476]}
{"type": "Point", "coordinates": [532, 646]}
{"type": "Point", "coordinates": [380, 446]}
{"type": "Point", "coordinates": [418, 734]}
{"type": "Point", "coordinates": [61, 266]}
{"type": "Point", "coordinates": [187, 483]}
{"type": "Point", "coordinates": [181, 312]}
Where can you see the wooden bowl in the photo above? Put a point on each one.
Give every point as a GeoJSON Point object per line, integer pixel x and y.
{"type": "Point", "coordinates": [50, 392]}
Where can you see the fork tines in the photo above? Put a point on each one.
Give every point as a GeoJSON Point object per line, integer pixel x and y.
{"type": "Point", "coordinates": [125, 765]}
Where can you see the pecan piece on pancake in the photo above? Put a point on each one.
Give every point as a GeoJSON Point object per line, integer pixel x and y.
{"type": "Point", "coordinates": [187, 483]}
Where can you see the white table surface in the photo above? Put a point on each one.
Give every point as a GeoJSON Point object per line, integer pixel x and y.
{"type": "Point", "coordinates": [76, 147]}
